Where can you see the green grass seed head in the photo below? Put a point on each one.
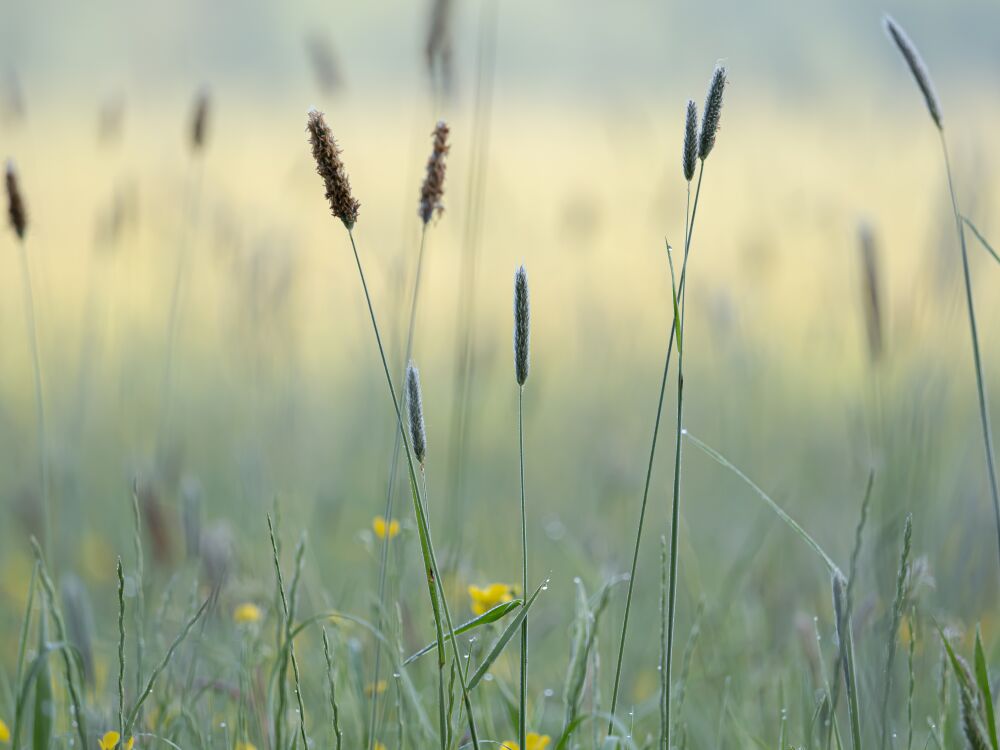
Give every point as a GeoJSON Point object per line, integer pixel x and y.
{"type": "Point", "coordinates": [690, 157]}
{"type": "Point", "coordinates": [522, 315]}
{"type": "Point", "coordinates": [917, 67]}
{"type": "Point", "coordinates": [415, 406]}
{"type": "Point", "coordinates": [713, 112]}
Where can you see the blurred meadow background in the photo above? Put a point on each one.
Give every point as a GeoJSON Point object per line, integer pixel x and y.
{"type": "Point", "coordinates": [567, 120]}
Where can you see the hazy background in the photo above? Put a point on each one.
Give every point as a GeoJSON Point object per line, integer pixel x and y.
{"type": "Point", "coordinates": [277, 387]}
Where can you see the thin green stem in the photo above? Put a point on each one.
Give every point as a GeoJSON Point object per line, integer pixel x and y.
{"type": "Point", "coordinates": [521, 716]}
{"type": "Point", "coordinates": [390, 490]}
{"type": "Point", "coordinates": [974, 331]}
{"type": "Point", "coordinates": [415, 491]}
{"type": "Point", "coordinates": [36, 362]}
{"type": "Point", "coordinates": [649, 466]}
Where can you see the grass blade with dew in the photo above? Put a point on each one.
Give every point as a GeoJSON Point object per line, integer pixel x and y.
{"type": "Point", "coordinates": [968, 696]}
{"type": "Point", "coordinates": [151, 682]}
{"type": "Point", "coordinates": [345, 207]}
{"type": "Point", "coordinates": [489, 616]}
{"type": "Point", "coordinates": [983, 680]}
{"type": "Point", "coordinates": [22, 643]}
{"type": "Point", "coordinates": [332, 685]}
{"type": "Point", "coordinates": [121, 648]}
{"type": "Point", "coordinates": [43, 716]}
{"type": "Point", "coordinates": [982, 240]}
{"type": "Point", "coordinates": [498, 645]}
{"type": "Point", "coordinates": [897, 615]}
{"type": "Point", "coordinates": [587, 621]}
{"type": "Point", "coordinates": [778, 510]}
{"type": "Point", "coordinates": [922, 78]}
{"type": "Point", "coordinates": [49, 591]}
{"type": "Point", "coordinates": [846, 638]}
{"type": "Point", "coordinates": [288, 612]}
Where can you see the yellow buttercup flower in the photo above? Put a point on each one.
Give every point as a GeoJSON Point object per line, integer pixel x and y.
{"type": "Point", "coordinates": [379, 746]}
{"type": "Point", "coordinates": [246, 613]}
{"type": "Point", "coordinates": [110, 741]}
{"type": "Point", "coordinates": [380, 527]}
{"type": "Point", "coordinates": [487, 598]}
{"type": "Point", "coordinates": [378, 688]}
{"type": "Point", "coordinates": [532, 741]}
{"type": "Point", "coordinates": [4, 732]}
{"type": "Point", "coordinates": [245, 746]}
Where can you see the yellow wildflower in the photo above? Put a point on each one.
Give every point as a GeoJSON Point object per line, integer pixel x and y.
{"type": "Point", "coordinates": [380, 527]}
{"type": "Point", "coordinates": [377, 688]}
{"type": "Point", "coordinates": [246, 613]}
{"type": "Point", "coordinates": [245, 746]}
{"type": "Point", "coordinates": [110, 741]}
{"type": "Point", "coordinates": [379, 746]}
{"type": "Point", "coordinates": [4, 732]}
{"type": "Point", "coordinates": [489, 597]}
{"type": "Point", "coordinates": [532, 741]}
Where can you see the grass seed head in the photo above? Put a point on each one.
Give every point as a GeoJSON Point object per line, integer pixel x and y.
{"type": "Point", "coordinates": [522, 315]}
{"type": "Point", "coordinates": [15, 203]}
{"type": "Point", "coordinates": [432, 191]}
{"type": "Point", "coordinates": [329, 166]}
{"type": "Point", "coordinates": [917, 67]}
{"type": "Point", "coordinates": [199, 122]}
{"type": "Point", "coordinates": [690, 140]}
{"type": "Point", "coordinates": [713, 112]}
{"type": "Point", "coordinates": [415, 405]}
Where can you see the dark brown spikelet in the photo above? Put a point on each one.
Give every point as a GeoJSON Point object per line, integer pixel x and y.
{"type": "Point", "coordinates": [917, 67]}
{"type": "Point", "coordinates": [199, 122]}
{"type": "Point", "coordinates": [15, 203]}
{"type": "Point", "coordinates": [522, 317]}
{"type": "Point", "coordinates": [415, 405]}
{"type": "Point", "coordinates": [326, 152]}
{"type": "Point", "coordinates": [432, 191]}
{"type": "Point", "coordinates": [872, 298]}
{"type": "Point", "coordinates": [713, 112]}
{"type": "Point", "coordinates": [690, 140]}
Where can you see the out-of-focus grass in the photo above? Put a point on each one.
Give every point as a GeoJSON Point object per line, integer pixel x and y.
{"type": "Point", "coordinates": [278, 397]}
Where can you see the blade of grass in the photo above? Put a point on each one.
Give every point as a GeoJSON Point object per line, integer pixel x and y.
{"type": "Point", "coordinates": [979, 236]}
{"type": "Point", "coordinates": [778, 510]}
{"type": "Point", "coordinates": [151, 682]}
{"type": "Point", "coordinates": [498, 645]}
{"type": "Point", "coordinates": [983, 678]}
{"type": "Point", "coordinates": [489, 616]}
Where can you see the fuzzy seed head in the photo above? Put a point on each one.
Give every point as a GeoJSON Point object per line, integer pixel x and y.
{"type": "Point", "coordinates": [329, 166]}
{"type": "Point", "coordinates": [917, 67]}
{"type": "Point", "coordinates": [522, 316]}
{"type": "Point", "coordinates": [690, 156]}
{"type": "Point", "coordinates": [199, 122]}
{"type": "Point", "coordinates": [15, 203]}
{"type": "Point", "coordinates": [713, 112]}
{"type": "Point", "coordinates": [432, 191]}
{"type": "Point", "coordinates": [415, 407]}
